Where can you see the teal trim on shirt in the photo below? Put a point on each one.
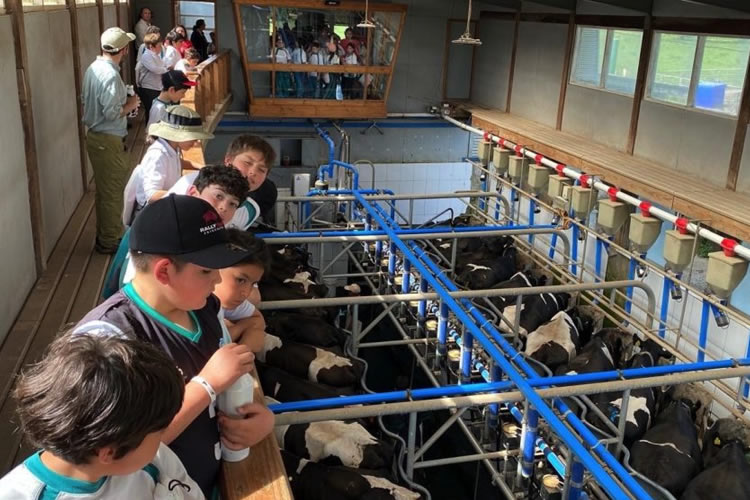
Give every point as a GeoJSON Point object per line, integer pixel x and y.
{"type": "Point", "coordinates": [152, 471]}
{"type": "Point", "coordinates": [57, 483]}
{"type": "Point", "coordinates": [195, 336]}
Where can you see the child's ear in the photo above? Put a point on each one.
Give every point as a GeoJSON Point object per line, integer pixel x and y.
{"type": "Point", "coordinates": [192, 191]}
{"type": "Point", "coordinates": [161, 270]}
{"type": "Point", "coordinates": [106, 455]}
{"type": "Point", "coordinates": [228, 160]}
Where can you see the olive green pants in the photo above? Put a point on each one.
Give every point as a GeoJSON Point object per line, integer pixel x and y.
{"type": "Point", "coordinates": [111, 171]}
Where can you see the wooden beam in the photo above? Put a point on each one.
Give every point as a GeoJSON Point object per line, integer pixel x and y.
{"type": "Point", "coordinates": [566, 71]}
{"type": "Point", "coordinates": [15, 9]}
{"type": "Point", "coordinates": [514, 50]}
{"type": "Point", "coordinates": [243, 54]}
{"type": "Point", "coordinates": [644, 6]}
{"type": "Point", "coordinates": [100, 11]}
{"type": "Point", "coordinates": [706, 26]}
{"type": "Point", "coordinates": [739, 134]}
{"type": "Point", "coordinates": [558, 4]}
{"type": "Point", "coordinates": [77, 75]}
{"type": "Point", "coordinates": [634, 22]}
{"type": "Point", "coordinates": [392, 66]}
{"type": "Point", "coordinates": [738, 5]}
{"type": "Point", "coordinates": [542, 17]}
{"type": "Point", "coordinates": [269, 107]}
{"type": "Point", "coordinates": [640, 84]}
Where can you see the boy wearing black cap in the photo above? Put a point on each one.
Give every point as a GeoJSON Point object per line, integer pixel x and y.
{"type": "Point", "coordinates": [178, 244]}
{"type": "Point", "coordinates": [174, 84]}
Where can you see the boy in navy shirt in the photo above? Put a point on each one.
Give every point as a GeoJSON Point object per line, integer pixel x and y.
{"type": "Point", "coordinates": [178, 244]}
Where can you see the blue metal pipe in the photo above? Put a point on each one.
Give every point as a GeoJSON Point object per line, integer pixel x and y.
{"type": "Point", "coordinates": [406, 277]}
{"type": "Point", "coordinates": [442, 329]}
{"type": "Point", "coordinates": [535, 401]}
{"type": "Point", "coordinates": [629, 291]}
{"type": "Point", "coordinates": [703, 335]}
{"type": "Point", "coordinates": [598, 260]}
{"type": "Point", "coordinates": [351, 168]}
{"type": "Point", "coordinates": [665, 289]}
{"type": "Point", "coordinates": [483, 199]}
{"type": "Point", "coordinates": [552, 245]}
{"type": "Point", "coordinates": [576, 481]}
{"type": "Point", "coordinates": [401, 232]}
{"type": "Point", "coordinates": [392, 263]}
{"type": "Point", "coordinates": [574, 250]}
{"type": "Point", "coordinates": [467, 346]}
{"type": "Point", "coordinates": [532, 209]}
{"type": "Point", "coordinates": [550, 455]}
{"type": "Point", "coordinates": [540, 382]}
{"type": "Point", "coordinates": [331, 152]}
{"type": "Point", "coordinates": [422, 305]}
{"type": "Point", "coordinates": [529, 441]}
{"type": "Point", "coordinates": [497, 375]}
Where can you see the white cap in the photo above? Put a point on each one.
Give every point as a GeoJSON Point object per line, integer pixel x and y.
{"type": "Point", "coordinates": [115, 39]}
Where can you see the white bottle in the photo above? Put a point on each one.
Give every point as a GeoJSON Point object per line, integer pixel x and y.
{"type": "Point", "coordinates": [238, 394]}
{"type": "Point", "coordinates": [131, 92]}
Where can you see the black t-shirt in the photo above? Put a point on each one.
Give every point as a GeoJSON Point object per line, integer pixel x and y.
{"type": "Point", "coordinates": [126, 314]}
{"type": "Point", "coordinates": [265, 196]}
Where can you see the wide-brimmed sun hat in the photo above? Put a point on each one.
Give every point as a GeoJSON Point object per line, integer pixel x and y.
{"type": "Point", "coordinates": [181, 124]}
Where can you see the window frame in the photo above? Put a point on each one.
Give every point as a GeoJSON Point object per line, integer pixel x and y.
{"type": "Point", "coordinates": [605, 60]}
{"type": "Point", "coordinates": [700, 46]}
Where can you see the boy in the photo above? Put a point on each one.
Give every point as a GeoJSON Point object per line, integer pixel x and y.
{"type": "Point", "coordinates": [253, 157]}
{"type": "Point", "coordinates": [189, 61]}
{"type": "Point", "coordinates": [177, 244]}
{"type": "Point", "coordinates": [223, 187]}
{"type": "Point", "coordinates": [174, 84]}
{"type": "Point", "coordinates": [84, 406]}
{"type": "Point", "coordinates": [239, 294]}
{"type": "Point", "coordinates": [172, 44]}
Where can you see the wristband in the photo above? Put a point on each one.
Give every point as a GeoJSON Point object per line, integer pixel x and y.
{"type": "Point", "coordinates": [204, 383]}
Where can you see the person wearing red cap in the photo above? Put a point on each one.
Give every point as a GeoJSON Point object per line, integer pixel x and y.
{"type": "Point", "coordinates": [174, 84]}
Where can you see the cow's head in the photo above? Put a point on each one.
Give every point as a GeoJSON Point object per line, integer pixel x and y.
{"type": "Point", "coordinates": [724, 432]}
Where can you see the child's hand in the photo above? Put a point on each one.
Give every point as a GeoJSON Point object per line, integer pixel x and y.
{"type": "Point", "coordinates": [239, 433]}
{"type": "Point", "coordinates": [227, 365]}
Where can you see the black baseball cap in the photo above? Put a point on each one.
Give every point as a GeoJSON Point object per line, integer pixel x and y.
{"type": "Point", "coordinates": [177, 79]}
{"type": "Point", "coordinates": [186, 227]}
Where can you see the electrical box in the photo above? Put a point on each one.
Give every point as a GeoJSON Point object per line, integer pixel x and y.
{"type": "Point", "coordinates": [483, 151]}
{"type": "Point", "coordinates": [644, 231]}
{"type": "Point", "coordinates": [518, 167]}
{"type": "Point", "coordinates": [582, 200]}
{"type": "Point", "coordinates": [301, 184]}
{"type": "Point", "coordinates": [538, 177]}
{"type": "Point", "coordinates": [556, 184]}
{"type": "Point", "coordinates": [612, 215]}
{"type": "Point", "coordinates": [724, 273]}
{"type": "Point", "coordinates": [500, 160]}
{"type": "Point", "coordinates": [678, 250]}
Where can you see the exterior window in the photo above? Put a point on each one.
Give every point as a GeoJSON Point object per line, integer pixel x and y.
{"type": "Point", "coordinates": [699, 71]}
{"type": "Point", "coordinates": [607, 58]}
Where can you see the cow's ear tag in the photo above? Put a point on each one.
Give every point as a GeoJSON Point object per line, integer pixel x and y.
{"type": "Point", "coordinates": [717, 441]}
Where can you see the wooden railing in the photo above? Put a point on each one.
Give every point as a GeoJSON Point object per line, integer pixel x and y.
{"type": "Point", "coordinates": [210, 98]}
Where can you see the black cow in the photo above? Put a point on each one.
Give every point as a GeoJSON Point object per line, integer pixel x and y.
{"type": "Point", "coordinates": [536, 310]}
{"type": "Point", "coordinates": [313, 481]}
{"type": "Point", "coordinates": [519, 280]}
{"type": "Point", "coordinates": [335, 442]}
{"type": "Point", "coordinates": [727, 474]}
{"type": "Point", "coordinates": [669, 453]}
{"type": "Point", "coordinates": [478, 274]}
{"type": "Point", "coordinates": [306, 329]}
{"type": "Point", "coordinates": [603, 353]}
{"type": "Point", "coordinates": [642, 402]}
{"type": "Point", "coordinates": [286, 387]}
{"type": "Point", "coordinates": [312, 363]}
{"type": "Point", "coordinates": [556, 342]}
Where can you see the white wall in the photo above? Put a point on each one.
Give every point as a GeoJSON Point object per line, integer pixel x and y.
{"type": "Point", "coordinates": [88, 49]}
{"type": "Point", "coordinates": [492, 63]}
{"type": "Point", "coordinates": [536, 79]}
{"type": "Point", "coordinates": [696, 143]}
{"type": "Point", "coordinates": [54, 100]}
{"type": "Point", "coordinates": [17, 250]}
{"type": "Point", "coordinates": [600, 116]}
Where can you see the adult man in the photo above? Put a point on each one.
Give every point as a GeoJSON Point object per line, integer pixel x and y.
{"type": "Point", "coordinates": [144, 21]}
{"type": "Point", "coordinates": [105, 107]}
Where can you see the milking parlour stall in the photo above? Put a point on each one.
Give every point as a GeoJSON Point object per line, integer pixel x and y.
{"type": "Point", "coordinates": [524, 345]}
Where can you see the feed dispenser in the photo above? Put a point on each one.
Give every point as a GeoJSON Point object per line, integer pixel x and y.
{"type": "Point", "coordinates": [557, 182]}
{"type": "Point", "coordinates": [644, 231]}
{"type": "Point", "coordinates": [500, 156]}
{"type": "Point", "coordinates": [484, 148]}
{"type": "Point", "coordinates": [583, 198]}
{"type": "Point", "coordinates": [538, 176]}
{"type": "Point", "coordinates": [679, 246]}
{"type": "Point", "coordinates": [612, 213]}
{"type": "Point", "coordinates": [518, 167]}
{"type": "Point", "coordinates": [725, 272]}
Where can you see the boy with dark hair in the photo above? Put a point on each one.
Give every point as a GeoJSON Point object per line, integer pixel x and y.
{"type": "Point", "coordinates": [189, 61]}
{"type": "Point", "coordinates": [174, 84]}
{"type": "Point", "coordinates": [239, 294]}
{"type": "Point", "coordinates": [84, 406]}
{"type": "Point", "coordinates": [178, 245]}
{"type": "Point", "coordinates": [172, 43]}
{"type": "Point", "coordinates": [253, 157]}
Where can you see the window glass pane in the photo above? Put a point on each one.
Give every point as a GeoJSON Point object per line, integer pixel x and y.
{"type": "Point", "coordinates": [589, 55]}
{"type": "Point", "coordinates": [722, 74]}
{"type": "Point", "coordinates": [625, 51]}
{"type": "Point", "coordinates": [675, 54]}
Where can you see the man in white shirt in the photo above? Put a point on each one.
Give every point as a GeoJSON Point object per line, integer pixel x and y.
{"type": "Point", "coordinates": [142, 25]}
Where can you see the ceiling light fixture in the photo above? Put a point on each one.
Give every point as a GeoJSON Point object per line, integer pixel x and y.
{"type": "Point", "coordinates": [366, 21]}
{"type": "Point", "coordinates": [466, 38]}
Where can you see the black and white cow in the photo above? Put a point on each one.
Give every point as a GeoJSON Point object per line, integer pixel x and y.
{"type": "Point", "coordinates": [642, 402]}
{"type": "Point", "coordinates": [314, 363]}
{"type": "Point", "coordinates": [314, 481]}
{"type": "Point", "coordinates": [727, 473]}
{"type": "Point", "coordinates": [303, 281]}
{"type": "Point", "coordinates": [669, 453]}
{"type": "Point", "coordinates": [603, 353]}
{"type": "Point", "coordinates": [557, 342]}
{"type": "Point", "coordinates": [478, 274]}
{"type": "Point", "coordinates": [335, 442]}
{"type": "Point", "coordinates": [306, 329]}
{"type": "Point", "coordinates": [519, 280]}
{"type": "Point", "coordinates": [286, 387]}
{"type": "Point", "coordinates": [535, 311]}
